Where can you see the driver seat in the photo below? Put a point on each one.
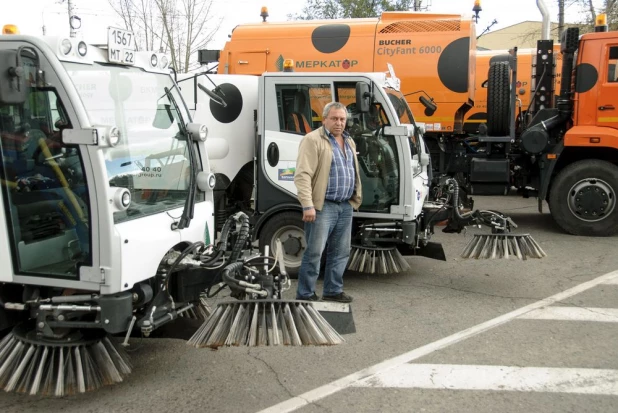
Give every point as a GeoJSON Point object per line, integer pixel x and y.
{"type": "Point", "coordinates": [297, 121]}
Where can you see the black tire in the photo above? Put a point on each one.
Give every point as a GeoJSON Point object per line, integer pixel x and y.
{"type": "Point", "coordinates": [498, 99]}
{"type": "Point", "coordinates": [583, 198]}
{"type": "Point", "coordinates": [289, 227]}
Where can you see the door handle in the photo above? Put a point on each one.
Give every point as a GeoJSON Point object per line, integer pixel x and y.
{"type": "Point", "coordinates": [272, 154]}
{"type": "Point", "coordinates": [607, 107]}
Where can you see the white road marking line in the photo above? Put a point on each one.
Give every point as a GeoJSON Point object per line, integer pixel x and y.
{"type": "Point", "coordinates": [341, 384]}
{"type": "Point", "coordinates": [499, 378]}
{"type": "Point", "coordinates": [605, 315]}
{"type": "Point", "coordinates": [612, 281]}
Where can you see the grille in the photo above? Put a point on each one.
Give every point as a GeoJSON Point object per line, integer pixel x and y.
{"type": "Point", "coordinates": [423, 26]}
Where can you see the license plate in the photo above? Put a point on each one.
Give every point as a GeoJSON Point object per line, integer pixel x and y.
{"type": "Point", "coordinates": [120, 46]}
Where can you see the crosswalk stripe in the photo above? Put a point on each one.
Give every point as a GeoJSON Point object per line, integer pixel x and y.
{"type": "Point", "coordinates": [499, 378]}
{"type": "Point", "coordinates": [605, 315]}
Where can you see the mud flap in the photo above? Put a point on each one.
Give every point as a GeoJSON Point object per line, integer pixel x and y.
{"type": "Point", "coordinates": [338, 315]}
{"type": "Point", "coordinates": [433, 250]}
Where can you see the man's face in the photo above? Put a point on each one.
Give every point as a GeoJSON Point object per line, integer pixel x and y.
{"type": "Point", "coordinates": [335, 121]}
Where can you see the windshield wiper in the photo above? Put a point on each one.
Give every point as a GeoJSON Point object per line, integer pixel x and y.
{"type": "Point", "coordinates": [187, 212]}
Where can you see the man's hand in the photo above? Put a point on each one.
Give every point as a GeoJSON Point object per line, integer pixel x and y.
{"type": "Point", "coordinates": [309, 215]}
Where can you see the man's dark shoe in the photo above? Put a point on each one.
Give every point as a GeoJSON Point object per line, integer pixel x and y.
{"type": "Point", "coordinates": [314, 297]}
{"type": "Point", "coordinates": [340, 298]}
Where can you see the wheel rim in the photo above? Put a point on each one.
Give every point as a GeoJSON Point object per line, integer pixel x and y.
{"type": "Point", "coordinates": [294, 244]}
{"type": "Point", "coordinates": [591, 200]}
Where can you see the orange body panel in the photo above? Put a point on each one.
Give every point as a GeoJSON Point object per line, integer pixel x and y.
{"type": "Point", "coordinates": [430, 52]}
{"type": "Point", "coordinates": [595, 92]}
{"type": "Point", "coordinates": [582, 135]}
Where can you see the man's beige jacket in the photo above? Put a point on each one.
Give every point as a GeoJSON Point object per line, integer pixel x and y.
{"type": "Point", "coordinates": [315, 155]}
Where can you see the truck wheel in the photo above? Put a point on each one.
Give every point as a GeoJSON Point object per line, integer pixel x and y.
{"type": "Point", "coordinates": [583, 200]}
{"type": "Point", "coordinates": [287, 226]}
{"type": "Point", "coordinates": [498, 99]}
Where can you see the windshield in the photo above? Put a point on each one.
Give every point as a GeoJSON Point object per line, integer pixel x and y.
{"type": "Point", "coordinates": [151, 158]}
{"type": "Point", "coordinates": [400, 105]}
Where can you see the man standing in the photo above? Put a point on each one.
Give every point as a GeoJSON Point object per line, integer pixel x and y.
{"type": "Point", "coordinates": [329, 188]}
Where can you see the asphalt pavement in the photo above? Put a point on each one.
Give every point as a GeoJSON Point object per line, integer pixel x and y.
{"type": "Point", "coordinates": [454, 336]}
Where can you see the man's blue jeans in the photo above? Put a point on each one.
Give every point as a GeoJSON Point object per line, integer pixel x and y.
{"type": "Point", "coordinates": [333, 224]}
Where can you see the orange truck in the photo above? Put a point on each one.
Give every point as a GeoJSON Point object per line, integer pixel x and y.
{"type": "Point", "coordinates": [434, 53]}
{"type": "Point", "coordinates": [551, 123]}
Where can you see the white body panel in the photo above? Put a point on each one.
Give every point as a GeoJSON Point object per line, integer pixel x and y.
{"type": "Point", "coordinates": [230, 145]}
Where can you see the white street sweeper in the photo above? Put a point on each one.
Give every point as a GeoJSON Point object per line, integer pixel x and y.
{"type": "Point", "coordinates": [255, 126]}
{"type": "Point", "coordinates": [107, 220]}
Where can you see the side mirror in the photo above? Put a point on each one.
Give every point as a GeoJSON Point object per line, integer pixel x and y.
{"type": "Point", "coordinates": [212, 95]}
{"type": "Point", "coordinates": [13, 89]}
{"type": "Point", "coordinates": [430, 107]}
{"type": "Point", "coordinates": [363, 97]}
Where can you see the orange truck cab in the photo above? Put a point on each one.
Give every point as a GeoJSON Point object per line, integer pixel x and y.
{"type": "Point", "coordinates": [567, 153]}
{"type": "Point", "coordinates": [431, 53]}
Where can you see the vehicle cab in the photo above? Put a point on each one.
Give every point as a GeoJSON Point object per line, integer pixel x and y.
{"type": "Point", "coordinates": [102, 169]}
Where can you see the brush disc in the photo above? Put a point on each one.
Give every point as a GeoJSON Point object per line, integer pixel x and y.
{"type": "Point", "coordinates": [265, 323]}
{"type": "Point", "coordinates": [377, 260]}
{"type": "Point", "coordinates": [503, 246]}
{"type": "Point", "coordinates": [78, 362]}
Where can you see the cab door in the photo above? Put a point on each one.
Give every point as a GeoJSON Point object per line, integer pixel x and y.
{"type": "Point", "coordinates": [607, 101]}
{"type": "Point", "coordinates": [45, 183]}
{"type": "Point", "coordinates": [290, 108]}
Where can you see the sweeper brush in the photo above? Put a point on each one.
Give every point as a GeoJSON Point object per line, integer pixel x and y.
{"type": "Point", "coordinates": [492, 246]}
{"type": "Point", "coordinates": [377, 260]}
{"type": "Point", "coordinates": [500, 243]}
{"type": "Point", "coordinates": [265, 323]}
{"type": "Point", "coordinates": [260, 317]}
{"type": "Point", "coordinates": [74, 364]}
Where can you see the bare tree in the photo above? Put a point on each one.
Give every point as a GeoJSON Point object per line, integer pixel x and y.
{"type": "Point", "coordinates": [338, 9]}
{"type": "Point", "coordinates": [177, 27]}
{"type": "Point", "coordinates": [608, 7]}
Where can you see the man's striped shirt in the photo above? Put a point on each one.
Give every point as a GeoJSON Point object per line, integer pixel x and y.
{"type": "Point", "coordinates": [342, 177]}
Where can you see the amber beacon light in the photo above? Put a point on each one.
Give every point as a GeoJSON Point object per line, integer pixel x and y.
{"type": "Point", "coordinates": [288, 65]}
{"type": "Point", "coordinates": [10, 29]}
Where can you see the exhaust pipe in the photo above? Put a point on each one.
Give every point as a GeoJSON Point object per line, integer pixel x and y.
{"type": "Point", "coordinates": [546, 30]}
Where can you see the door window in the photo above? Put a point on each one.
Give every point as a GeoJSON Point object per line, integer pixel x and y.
{"type": "Point", "coordinates": [300, 106]}
{"type": "Point", "coordinates": [378, 157]}
{"type": "Point", "coordinates": [45, 190]}
{"type": "Point", "coordinates": [612, 71]}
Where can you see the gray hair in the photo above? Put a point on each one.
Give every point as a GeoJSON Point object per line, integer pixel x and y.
{"type": "Point", "coordinates": [332, 105]}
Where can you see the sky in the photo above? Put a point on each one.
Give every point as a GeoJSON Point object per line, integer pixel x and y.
{"type": "Point", "coordinates": [97, 15]}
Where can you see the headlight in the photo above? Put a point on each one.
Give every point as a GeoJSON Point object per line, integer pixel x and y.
{"type": "Point", "coordinates": [212, 181]}
{"type": "Point", "coordinates": [114, 136]}
{"type": "Point", "coordinates": [203, 132]}
{"type": "Point", "coordinates": [121, 198]}
{"type": "Point", "coordinates": [66, 46]}
{"type": "Point", "coordinates": [82, 48]}
{"type": "Point", "coordinates": [154, 60]}
{"type": "Point", "coordinates": [126, 199]}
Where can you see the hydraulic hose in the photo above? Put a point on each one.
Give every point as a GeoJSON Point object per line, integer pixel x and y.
{"type": "Point", "coordinates": [177, 261]}
{"type": "Point", "coordinates": [228, 276]}
{"type": "Point", "coordinates": [458, 214]}
{"type": "Point", "coordinates": [243, 235]}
